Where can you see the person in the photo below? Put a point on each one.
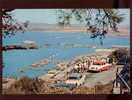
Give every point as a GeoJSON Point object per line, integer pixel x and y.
{"type": "Point", "coordinates": [76, 67]}
{"type": "Point", "coordinates": [79, 68]}
{"type": "Point", "coordinates": [88, 65]}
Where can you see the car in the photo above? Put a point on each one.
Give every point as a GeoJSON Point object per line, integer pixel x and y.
{"type": "Point", "coordinates": [52, 73]}
{"type": "Point", "coordinates": [76, 79]}
{"type": "Point", "coordinates": [99, 66]}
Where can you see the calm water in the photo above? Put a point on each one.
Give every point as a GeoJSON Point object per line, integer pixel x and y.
{"type": "Point", "coordinates": [17, 60]}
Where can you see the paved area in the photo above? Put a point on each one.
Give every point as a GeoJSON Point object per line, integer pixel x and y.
{"type": "Point", "coordinates": [102, 77]}
{"type": "Point", "coordinates": [92, 79]}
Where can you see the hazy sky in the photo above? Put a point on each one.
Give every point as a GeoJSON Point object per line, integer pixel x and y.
{"type": "Point", "coordinates": [50, 15]}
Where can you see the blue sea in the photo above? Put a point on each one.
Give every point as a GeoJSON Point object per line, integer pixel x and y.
{"type": "Point", "coordinates": [16, 60]}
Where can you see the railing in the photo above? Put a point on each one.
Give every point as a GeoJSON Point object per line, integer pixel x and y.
{"type": "Point", "coordinates": [124, 82]}
{"type": "Point", "coordinates": [118, 76]}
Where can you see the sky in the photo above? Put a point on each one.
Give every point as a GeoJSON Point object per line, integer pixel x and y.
{"type": "Point", "coordinates": [50, 16]}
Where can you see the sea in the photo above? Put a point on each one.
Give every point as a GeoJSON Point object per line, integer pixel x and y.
{"type": "Point", "coordinates": [56, 46]}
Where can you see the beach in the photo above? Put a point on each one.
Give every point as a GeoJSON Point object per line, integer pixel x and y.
{"type": "Point", "coordinates": [65, 51]}
{"type": "Point", "coordinates": [53, 71]}
{"type": "Point", "coordinates": [93, 80]}
{"type": "Point", "coordinates": [56, 46]}
{"type": "Point", "coordinates": [59, 49]}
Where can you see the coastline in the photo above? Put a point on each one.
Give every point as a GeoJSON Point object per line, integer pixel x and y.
{"type": "Point", "coordinates": [66, 67]}
{"type": "Point", "coordinates": [62, 70]}
{"type": "Point", "coordinates": [123, 32]}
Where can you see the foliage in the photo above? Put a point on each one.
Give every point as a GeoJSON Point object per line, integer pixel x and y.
{"type": "Point", "coordinates": [97, 21]}
{"type": "Point", "coordinates": [93, 18]}
{"type": "Point", "coordinates": [104, 89]}
{"type": "Point", "coordinates": [120, 55]}
{"type": "Point", "coordinates": [25, 85]}
{"type": "Point", "coordinates": [9, 25]}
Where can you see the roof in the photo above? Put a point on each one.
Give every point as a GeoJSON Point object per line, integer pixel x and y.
{"type": "Point", "coordinates": [99, 62]}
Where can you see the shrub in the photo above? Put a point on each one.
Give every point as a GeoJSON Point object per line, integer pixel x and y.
{"type": "Point", "coordinates": [119, 56]}
{"type": "Point", "coordinates": [25, 85]}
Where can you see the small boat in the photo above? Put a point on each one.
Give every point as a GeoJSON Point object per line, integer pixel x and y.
{"type": "Point", "coordinates": [93, 46]}
{"type": "Point", "coordinates": [22, 71]}
{"type": "Point", "coordinates": [35, 65]}
{"type": "Point", "coordinates": [44, 62]}
{"type": "Point", "coordinates": [29, 42]}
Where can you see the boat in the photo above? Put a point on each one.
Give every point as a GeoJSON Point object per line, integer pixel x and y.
{"type": "Point", "coordinates": [35, 65]}
{"type": "Point", "coordinates": [29, 42]}
{"type": "Point", "coordinates": [44, 62]}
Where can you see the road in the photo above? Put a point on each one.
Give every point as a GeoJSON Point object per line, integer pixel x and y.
{"type": "Point", "coordinates": [104, 77]}
{"type": "Point", "coordinates": [92, 79]}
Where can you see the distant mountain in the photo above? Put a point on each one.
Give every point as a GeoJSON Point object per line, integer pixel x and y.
{"type": "Point", "coordinates": [124, 29]}
{"type": "Point", "coordinates": [47, 27]}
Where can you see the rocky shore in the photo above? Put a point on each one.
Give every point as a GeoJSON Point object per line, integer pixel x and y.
{"type": "Point", "coordinates": [18, 47]}
{"type": "Point", "coordinates": [62, 69]}
{"type": "Point", "coordinates": [27, 44]}
{"type": "Point", "coordinates": [101, 82]}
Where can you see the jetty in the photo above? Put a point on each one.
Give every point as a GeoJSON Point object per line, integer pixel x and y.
{"type": "Point", "coordinates": [40, 63]}
{"type": "Point", "coordinates": [25, 45]}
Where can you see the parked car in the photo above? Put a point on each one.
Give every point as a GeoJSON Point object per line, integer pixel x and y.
{"type": "Point", "coordinates": [52, 73]}
{"type": "Point", "coordinates": [76, 79]}
{"type": "Point", "coordinates": [98, 66]}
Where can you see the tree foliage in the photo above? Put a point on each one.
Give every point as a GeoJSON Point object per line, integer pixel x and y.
{"type": "Point", "coordinates": [120, 55]}
{"type": "Point", "coordinates": [9, 25]}
{"type": "Point", "coordinates": [25, 85]}
{"type": "Point", "coordinates": [97, 21]}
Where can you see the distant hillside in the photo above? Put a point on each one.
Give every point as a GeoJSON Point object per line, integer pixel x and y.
{"type": "Point", "coordinates": [53, 27]}
{"type": "Point", "coordinates": [123, 29]}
